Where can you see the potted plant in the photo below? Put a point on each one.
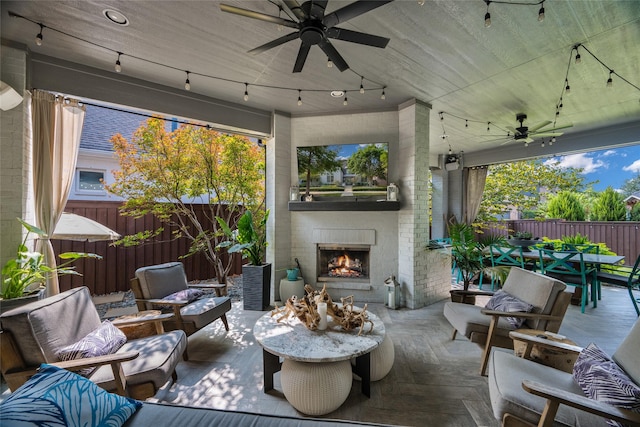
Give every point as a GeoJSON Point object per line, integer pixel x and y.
{"type": "Point", "coordinates": [468, 254]}
{"type": "Point", "coordinates": [250, 239]}
{"type": "Point", "coordinates": [523, 239]}
{"type": "Point", "coordinates": [24, 276]}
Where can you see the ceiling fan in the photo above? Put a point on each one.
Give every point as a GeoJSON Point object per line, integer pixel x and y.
{"type": "Point", "coordinates": [526, 134]}
{"type": "Point", "coordinates": [315, 28]}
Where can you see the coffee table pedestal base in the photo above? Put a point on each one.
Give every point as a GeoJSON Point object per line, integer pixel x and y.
{"type": "Point", "coordinates": [316, 388]}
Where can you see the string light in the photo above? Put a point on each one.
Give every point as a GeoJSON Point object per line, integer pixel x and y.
{"type": "Point", "coordinates": [552, 140]}
{"type": "Point", "coordinates": [39, 36]}
{"type": "Point", "coordinates": [118, 67]}
{"type": "Point", "coordinates": [488, 127]}
{"type": "Point", "coordinates": [466, 123]}
{"type": "Point", "coordinates": [361, 84]}
{"type": "Point", "coordinates": [299, 97]}
{"type": "Point", "coordinates": [578, 58]}
{"type": "Point", "coordinates": [567, 88]}
{"type": "Point", "coordinates": [187, 83]}
{"type": "Point", "coordinates": [246, 91]}
{"type": "Point", "coordinates": [421, 2]}
{"type": "Point", "coordinates": [610, 80]}
{"type": "Point", "coordinates": [541, 13]}
{"type": "Point", "coordinates": [329, 63]}
{"type": "Point", "coordinates": [542, 145]}
{"type": "Point", "coordinates": [487, 16]}
{"type": "Point", "coordinates": [345, 102]}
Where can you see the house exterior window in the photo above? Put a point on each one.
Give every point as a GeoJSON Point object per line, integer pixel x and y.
{"type": "Point", "coordinates": [90, 181]}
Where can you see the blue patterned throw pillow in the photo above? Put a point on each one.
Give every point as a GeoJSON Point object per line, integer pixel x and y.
{"type": "Point", "coordinates": [503, 301]}
{"type": "Point", "coordinates": [601, 379]}
{"type": "Point", "coordinates": [57, 397]}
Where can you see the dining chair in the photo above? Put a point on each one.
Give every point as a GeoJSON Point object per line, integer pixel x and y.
{"type": "Point", "coordinates": [505, 256]}
{"type": "Point", "coordinates": [587, 248]}
{"type": "Point", "coordinates": [624, 276]}
{"type": "Point", "coordinates": [569, 267]}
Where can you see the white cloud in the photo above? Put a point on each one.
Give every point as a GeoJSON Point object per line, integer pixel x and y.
{"type": "Point", "coordinates": [609, 153]}
{"type": "Point", "coordinates": [633, 167]}
{"type": "Point", "coordinates": [582, 161]}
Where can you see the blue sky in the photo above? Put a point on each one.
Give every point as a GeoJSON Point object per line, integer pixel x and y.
{"type": "Point", "coordinates": [610, 167]}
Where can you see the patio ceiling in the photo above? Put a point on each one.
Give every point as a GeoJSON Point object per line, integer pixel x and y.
{"type": "Point", "coordinates": [440, 53]}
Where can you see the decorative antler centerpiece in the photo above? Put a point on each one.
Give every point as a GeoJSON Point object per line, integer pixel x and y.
{"type": "Point", "coordinates": [305, 309]}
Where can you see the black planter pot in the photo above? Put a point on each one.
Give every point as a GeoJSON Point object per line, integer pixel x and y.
{"type": "Point", "coordinates": [9, 304]}
{"type": "Point", "coordinates": [524, 243]}
{"type": "Point", "coordinates": [462, 296]}
{"type": "Point", "coordinates": [256, 286]}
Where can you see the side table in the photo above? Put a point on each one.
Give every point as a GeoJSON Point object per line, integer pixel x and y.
{"type": "Point", "coordinates": [557, 359]}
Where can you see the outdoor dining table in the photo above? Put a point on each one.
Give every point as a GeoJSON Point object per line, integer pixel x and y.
{"type": "Point", "coordinates": [596, 259]}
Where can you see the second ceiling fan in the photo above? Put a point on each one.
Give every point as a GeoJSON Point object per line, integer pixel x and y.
{"type": "Point", "coordinates": [526, 134]}
{"type": "Point", "coordinates": [316, 28]}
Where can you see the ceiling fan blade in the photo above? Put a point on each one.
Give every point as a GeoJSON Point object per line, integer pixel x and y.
{"type": "Point", "coordinates": [351, 11]}
{"type": "Point", "coordinates": [295, 8]}
{"type": "Point", "coordinates": [508, 141]}
{"type": "Point", "coordinates": [317, 8]}
{"type": "Point", "coordinates": [539, 125]}
{"type": "Point", "coordinates": [333, 55]}
{"type": "Point", "coordinates": [357, 37]}
{"type": "Point", "coordinates": [559, 127]}
{"type": "Point", "coordinates": [257, 15]}
{"type": "Point", "coordinates": [513, 130]}
{"type": "Point", "coordinates": [302, 57]}
{"type": "Point", "coordinates": [543, 134]}
{"type": "Point", "coordinates": [527, 139]}
{"type": "Point", "coordinates": [274, 43]}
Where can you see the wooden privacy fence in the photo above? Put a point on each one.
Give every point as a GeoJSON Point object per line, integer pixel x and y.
{"type": "Point", "coordinates": [118, 264]}
{"type": "Point", "coordinates": [622, 237]}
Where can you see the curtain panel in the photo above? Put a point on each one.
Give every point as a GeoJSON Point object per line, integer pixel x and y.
{"type": "Point", "coordinates": [474, 181]}
{"type": "Point", "coordinates": [56, 130]}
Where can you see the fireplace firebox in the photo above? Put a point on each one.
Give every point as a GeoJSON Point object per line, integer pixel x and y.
{"type": "Point", "coordinates": [340, 263]}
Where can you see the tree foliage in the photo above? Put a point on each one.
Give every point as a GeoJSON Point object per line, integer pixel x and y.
{"type": "Point", "coordinates": [163, 173]}
{"type": "Point", "coordinates": [523, 186]}
{"type": "Point", "coordinates": [631, 186]}
{"type": "Point", "coordinates": [565, 205]}
{"type": "Point", "coordinates": [316, 160]}
{"type": "Point", "coordinates": [369, 162]}
{"type": "Point", "coordinates": [609, 206]}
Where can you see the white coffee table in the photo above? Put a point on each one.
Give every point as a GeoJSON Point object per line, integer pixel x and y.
{"type": "Point", "coordinates": [301, 347]}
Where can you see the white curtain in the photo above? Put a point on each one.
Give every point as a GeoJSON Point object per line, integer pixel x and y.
{"type": "Point", "coordinates": [56, 131]}
{"type": "Point", "coordinates": [474, 183]}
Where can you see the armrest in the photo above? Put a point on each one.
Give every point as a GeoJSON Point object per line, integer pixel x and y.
{"type": "Point", "coordinates": [205, 285]}
{"type": "Point", "coordinates": [157, 301]}
{"type": "Point", "coordinates": [520, 314]}
{"type": "Point", "coordinates": [477, 293]}
{"type": "Point", "coordinates": [148, 318]}
{"type": "Point", "coordinates": [557, 396]}
{"type": "Point", "coordinates": [547, 343]}
{"type": "Point", "coordinates": [90, 362]}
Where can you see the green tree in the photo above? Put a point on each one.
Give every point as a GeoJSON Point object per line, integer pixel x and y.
{"type": "Point", "coordinates": [369, 162]}
{"type": "Point", "coordinates": [316, 160]}
{"type": "Point", "coordinates": [565, 205]}
{"type": "Point", "coordinates": [631, 185]}
{"type": "Point", "coordinates": [635, 213]}
{"type": "Point", "coordinates": [523, 186]}
{"type": "Point", "coordinates": [609, 206]}
{"type": "Point", "coordinates": [163, 173]}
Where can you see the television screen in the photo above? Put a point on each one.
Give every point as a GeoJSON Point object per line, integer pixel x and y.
{"type": "Point", "coordinates": [347, 170]}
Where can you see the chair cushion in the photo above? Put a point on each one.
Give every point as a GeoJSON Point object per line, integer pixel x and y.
{"type": "Point", "coordinates": [54, 396]}
{"type": "Point", "coordinates": [158, 281]}
{"type": "Point", "coordinates": [47, 325]}
{"type": "Point", "coordinates": [602, 380]}
{"type": "Point", "coordinates": [626, 356]}
{"type": "Point", "coordinates": [505, 375]}
{"type": "Point", "coordinates": [205, 310]}
{"type": "Point", "coordinates": [503, 301]}
{"type": "Point", "coordinates": [467, 319]}
{"type": "Point", "coordinates": [107, 339]}
{"type": "Point", "coordinates": [159, 355]}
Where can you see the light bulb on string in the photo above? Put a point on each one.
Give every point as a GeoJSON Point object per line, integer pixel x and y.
{"type": "Point", "coordinates": [610, 80]}
{"type": "Point", "coordinates": [299, 97]}
{"type": "Point", "coordinates": [383, 96]}
{"type": "Point", "coordinates": [39, 36]}
{"type": "Point", "coordinates": [541, 13]}
{"type": "Point", "coordinates": [246, 91]}
{"type": "Point", "coordinates": [118, 66]}
{"type": "Point", "coordinates": [466, 123]}
{"type": "Point", "coordinates": [487, 16]}
{"type": "Point", "coordinates": [329, 63]}
{"type": "Point", "coordinates": [420, 2]}
{"type": "Point", "coordinates": [361, 84]}
{"type": "Point", "coordinates": [488, 126]}
{"type": "Point", "coordinates": [567, 88]}
{"type": "Point", "coordinates": [552, 140]}
{"type": "Point", "coordinates": [187, 83]}
{"type": "Point", "coordinates": [578, 58]}
{"type": "Point", "coordinates": [345, 102]}
{"type": "Point", "coordinates": [526, 144]}
{"type": "Point", "coordinates": [542, 145]}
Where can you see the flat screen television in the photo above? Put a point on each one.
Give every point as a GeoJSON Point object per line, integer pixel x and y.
{"type": "Point", "coordinates": [347, 171]}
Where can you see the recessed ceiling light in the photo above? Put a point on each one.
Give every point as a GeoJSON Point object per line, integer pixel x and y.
{"type": "Point", "coordinates": [337, 93]}
{"type": "Point", "coordinates": [116, 17]}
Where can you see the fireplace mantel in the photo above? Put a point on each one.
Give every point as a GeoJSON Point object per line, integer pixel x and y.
{"type": "Point", "coordinates": [344, 205]}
